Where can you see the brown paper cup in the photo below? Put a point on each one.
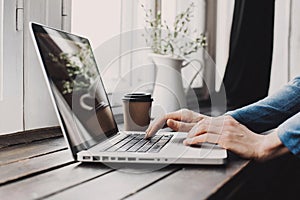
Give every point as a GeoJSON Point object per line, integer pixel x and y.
{"type": "Point", "coordinates": [137, 111]}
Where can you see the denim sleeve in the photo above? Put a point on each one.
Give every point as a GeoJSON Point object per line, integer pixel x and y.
{"type": "Point", "coordinates": [271, 111]}
{"type": "Point", "coordinates": [289, 134]}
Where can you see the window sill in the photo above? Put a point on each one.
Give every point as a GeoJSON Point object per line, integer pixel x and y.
{"type": "Point", "coordinates": [25, 137]}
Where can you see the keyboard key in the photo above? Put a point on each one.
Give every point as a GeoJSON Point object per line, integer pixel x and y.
{"type": "Point", "coordinates": [155, 138]}
{"type": "Point", "coordinates": [139, 136]}
{"type": "Point", "coordinates": [137, 146]}
{"type": "Point", "coordinates": [156, 148]}
{"type": "Point", "coordinates": [147, 146]}
{"type": "Point", "coordinates": [137, 143]}
{"type": "Point", "coordinates": [109, 144]}
{"type": "Point", "coordinates": [119, 144]}
{"type": "Point", "coordinates": [160, 144]}
{"type": "Point", "coordinates": [152, 142]}
{"type": "Point", "coordinates": [128, 145]}
{"type": "Point", "coordinates": [167, 137]}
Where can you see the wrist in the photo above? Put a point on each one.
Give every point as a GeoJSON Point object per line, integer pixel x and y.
{"type": "Point", "coordinates": [264, 150]}
{"type": "Point", "coordinates": [270, 147]}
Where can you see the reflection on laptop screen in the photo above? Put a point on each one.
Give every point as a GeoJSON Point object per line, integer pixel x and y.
{"type": "Point", "coordinates": [77, 87]}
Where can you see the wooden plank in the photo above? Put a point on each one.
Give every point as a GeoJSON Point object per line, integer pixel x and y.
{"type": "Point", "coordinates": [24, 168]}
{"type": "Point", "coordinates": [192, 182]}
{"type": "Point", "coordinates": [25, 151]}
{"type": "Point", "coordinates": [52, 182]}
{"type": "Point", "coordinates": [115, 185]}
{"type": "Point", "coordinates": [26, 137]}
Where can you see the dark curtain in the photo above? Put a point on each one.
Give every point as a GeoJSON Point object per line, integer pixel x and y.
{"type": "Point", "coordinates": [247, 74]}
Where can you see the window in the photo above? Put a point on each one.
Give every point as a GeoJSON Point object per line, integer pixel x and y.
{"type": "Point", "coordinates": [118, 43]}
{"type": "Point", "coordinates": [114, 28]}
{"type": "Point", "coordinates": [114, 41]}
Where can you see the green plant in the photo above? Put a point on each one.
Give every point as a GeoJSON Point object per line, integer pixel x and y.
{"type": "Point", "coordinates": [178, 40]}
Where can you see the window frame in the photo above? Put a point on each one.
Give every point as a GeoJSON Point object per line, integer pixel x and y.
{"type": "Point", "coordinates": [11, 73]}
{"type": "Point", "coordinates": [1, 48]}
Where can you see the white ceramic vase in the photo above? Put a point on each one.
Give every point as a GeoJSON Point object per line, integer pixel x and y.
{"type": "Point", "coordinates": [168, 94]}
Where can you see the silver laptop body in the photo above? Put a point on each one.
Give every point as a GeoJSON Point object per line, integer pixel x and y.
{"type": "Point", "coordinates": [88, 124]}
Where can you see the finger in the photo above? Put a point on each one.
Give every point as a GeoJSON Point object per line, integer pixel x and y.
{"type": "Point", "coordinates": [179, 126]}
{"type": "Point", "coordinates": [209, 124]}
{"type": "Point", "coordinates": [160, 122]}
{"type": "Point", "coordinates": [155, 126]}
{"type": "Point", "coordinates": [178, 115]}
{"type": "Point", "coordinates": [196, 130]}
{"type": "Point", "coordinates": [207, 137]}
{"type": "Point", "coordinates": [185, 115]}
{"type": "Point", "coordinates": [205, 128]}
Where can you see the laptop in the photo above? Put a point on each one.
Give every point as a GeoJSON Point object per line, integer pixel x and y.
{"type": "Point", "coordinates": [85, 114]}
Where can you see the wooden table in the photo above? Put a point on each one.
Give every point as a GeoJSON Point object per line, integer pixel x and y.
{"type": "Point", "coordinates": [44, 169]}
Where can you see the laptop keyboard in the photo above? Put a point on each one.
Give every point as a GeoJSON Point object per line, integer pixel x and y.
{"type": "Point", "coordinates": [137, 143]}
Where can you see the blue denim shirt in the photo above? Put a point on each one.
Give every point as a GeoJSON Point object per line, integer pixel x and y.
{"type": "Point", "coordinates": [280, 110]}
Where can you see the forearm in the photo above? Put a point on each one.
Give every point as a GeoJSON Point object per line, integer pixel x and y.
{"type": "Point", "coordinates": [270, 112]}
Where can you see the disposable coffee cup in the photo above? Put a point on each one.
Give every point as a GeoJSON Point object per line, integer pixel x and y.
{"type": "Point", "coordinates": [137, 111]}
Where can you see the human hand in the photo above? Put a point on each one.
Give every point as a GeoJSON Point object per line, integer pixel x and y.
{"type": "Point", "coordinates": [181, 120]}
{"type": "Point", "coordinates": [229, 134]}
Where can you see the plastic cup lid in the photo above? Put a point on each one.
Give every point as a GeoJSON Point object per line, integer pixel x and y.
{"type": "Point", "coordinates": [138, 97]}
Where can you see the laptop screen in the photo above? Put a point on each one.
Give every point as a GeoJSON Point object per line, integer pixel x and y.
{"type": "Point", "coordinates": [79, 94]}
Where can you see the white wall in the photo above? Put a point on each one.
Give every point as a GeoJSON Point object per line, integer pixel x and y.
{"type": "Point", "coordinates": [96, 20]}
